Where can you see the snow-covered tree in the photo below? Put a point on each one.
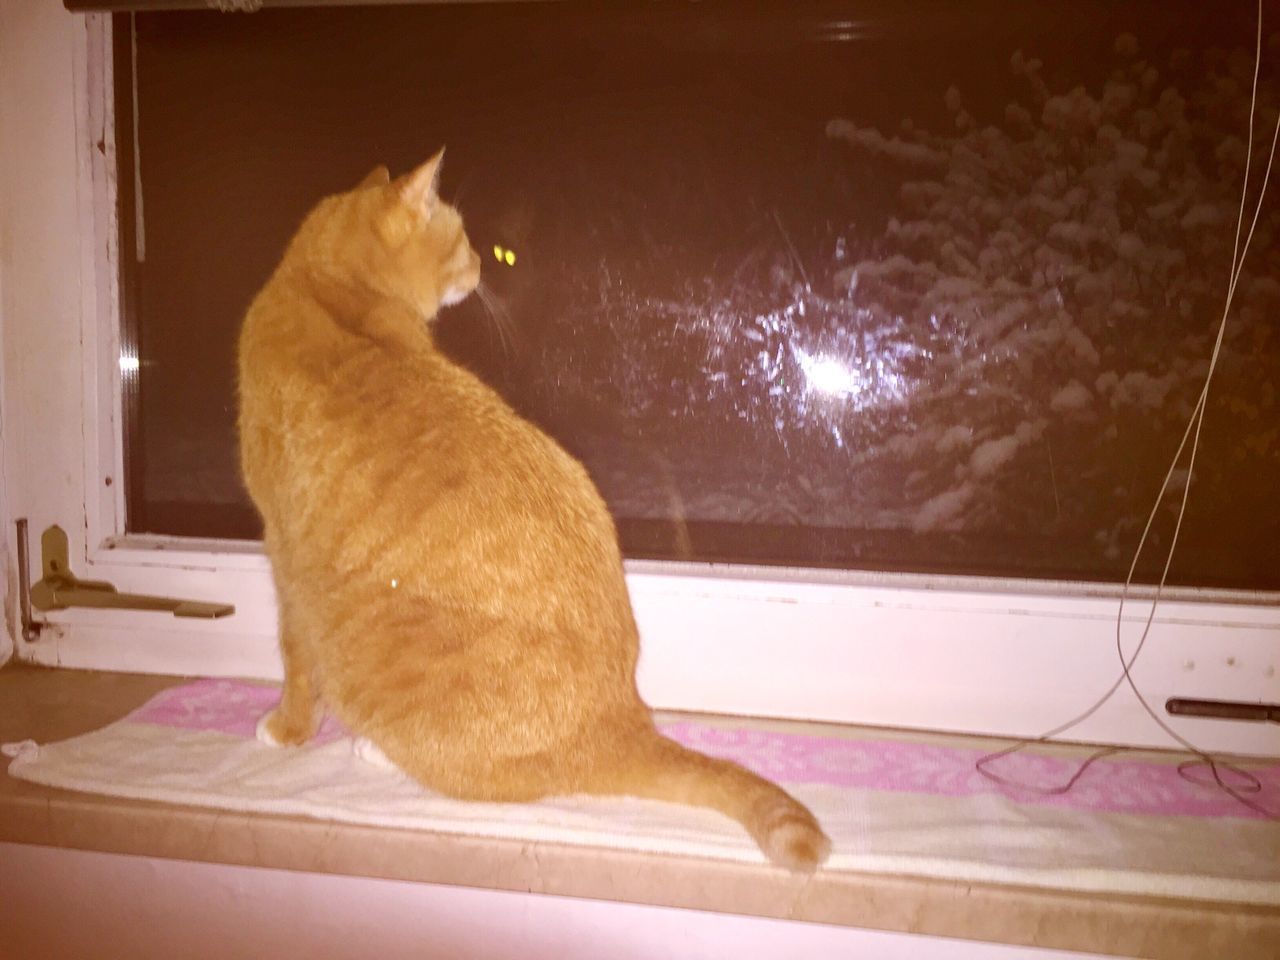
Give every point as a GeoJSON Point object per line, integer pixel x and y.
{"type": "Point", "coordinates": [1064, 267]}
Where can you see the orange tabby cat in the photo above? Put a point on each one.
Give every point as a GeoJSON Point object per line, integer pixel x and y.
{"type": "Point", "coordinates": [449, 580]}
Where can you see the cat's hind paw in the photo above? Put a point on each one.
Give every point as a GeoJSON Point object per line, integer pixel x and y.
{"type": "Point", "coordinates": [371, 753]}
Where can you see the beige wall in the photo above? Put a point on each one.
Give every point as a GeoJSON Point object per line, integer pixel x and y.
{"type": "Point", "coordinates": [9, 22]}
{"type": "Point", "coordinates": [39, 268]}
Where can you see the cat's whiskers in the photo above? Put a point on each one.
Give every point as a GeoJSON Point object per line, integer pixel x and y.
{"type": "Point", "coordinates": [501, 317]}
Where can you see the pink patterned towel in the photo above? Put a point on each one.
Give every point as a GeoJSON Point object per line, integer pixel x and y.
{"type": "Point", "coordinates": [891, 803]}
{"type": "Point", "coordinates": [940, 768]}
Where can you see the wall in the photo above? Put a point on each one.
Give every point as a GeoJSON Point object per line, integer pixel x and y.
{"type": "Point", "coordinates": [40, 272]}
{"type": "Point", "coordinates": [10, 25]}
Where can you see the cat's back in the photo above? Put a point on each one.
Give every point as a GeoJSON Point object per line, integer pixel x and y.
{"type": "Point", "coordinates": [433, 448]}
{"type": "Point", "coordinates": [400, 464]}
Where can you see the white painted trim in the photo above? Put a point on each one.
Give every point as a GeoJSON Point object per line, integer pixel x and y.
{"type": "Point", "coordinates": [104, 508]}
{"type": "Point", "coordinates": [971, 654]}
{"type": "Point", "coordinates": [976, 662]}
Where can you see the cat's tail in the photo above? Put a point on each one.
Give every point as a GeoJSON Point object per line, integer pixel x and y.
{"type": "Point", "coordinates": [661, 769]}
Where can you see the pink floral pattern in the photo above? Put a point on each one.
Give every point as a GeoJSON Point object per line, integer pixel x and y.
{"type": "Point", "coordinates": [1111, 786]}
{"type": "Point", "coordinates": [233, 707]}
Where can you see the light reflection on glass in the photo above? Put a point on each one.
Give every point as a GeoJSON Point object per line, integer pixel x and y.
{"type": "Point", "coordinates": [828, 375]}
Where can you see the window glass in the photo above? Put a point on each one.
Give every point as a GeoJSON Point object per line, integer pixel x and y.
{"type": "Point", "coordinates": [909, 286]}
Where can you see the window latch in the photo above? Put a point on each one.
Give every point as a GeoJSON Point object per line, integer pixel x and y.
{"type": "Point", "coordinates": [59, 588]}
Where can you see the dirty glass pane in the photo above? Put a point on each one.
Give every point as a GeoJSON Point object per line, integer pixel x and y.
{"type": "Point", "coordinates": [917, 286]}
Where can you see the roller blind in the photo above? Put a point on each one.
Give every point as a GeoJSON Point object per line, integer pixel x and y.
{"type": "Point", "coordinates": [247, 6]}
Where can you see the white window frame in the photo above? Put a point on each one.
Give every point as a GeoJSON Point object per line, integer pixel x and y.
{"type": "Point", "coordinates": [1001, 656]}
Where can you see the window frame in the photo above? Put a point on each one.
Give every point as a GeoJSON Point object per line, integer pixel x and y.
{"type": "Point", "coordinates": [972, 654]}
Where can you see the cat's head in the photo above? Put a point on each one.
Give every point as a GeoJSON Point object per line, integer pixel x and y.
{"type": "Point", "coordinates": [391, 239]}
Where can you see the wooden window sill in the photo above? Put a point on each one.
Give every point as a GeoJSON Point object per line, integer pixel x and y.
{"type": "Point", "coordinates": [47, 705]}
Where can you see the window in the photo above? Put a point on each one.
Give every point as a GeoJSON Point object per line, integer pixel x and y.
{"type": "Point", "coordinates": [866, 304]}
{"type": "Point", "coordinates": [828, 284]}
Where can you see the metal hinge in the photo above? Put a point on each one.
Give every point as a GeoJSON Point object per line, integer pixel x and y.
{"type": "Point", "coordinates": [59, 588]}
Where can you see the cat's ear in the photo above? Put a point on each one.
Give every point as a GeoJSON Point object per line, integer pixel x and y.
{"type": "Point", "coordinates": [418, 189]}
{"type": "Point", "coordinates": [379, 176]}
{"type": "Point", "coordinates": [416, 201]}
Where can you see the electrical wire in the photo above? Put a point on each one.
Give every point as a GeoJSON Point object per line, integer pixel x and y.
{"type": "Point", "coordinates": [1195, 422]}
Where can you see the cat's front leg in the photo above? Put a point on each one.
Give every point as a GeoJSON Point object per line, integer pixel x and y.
{"type": "Point", "coordinates": [296, 718]}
